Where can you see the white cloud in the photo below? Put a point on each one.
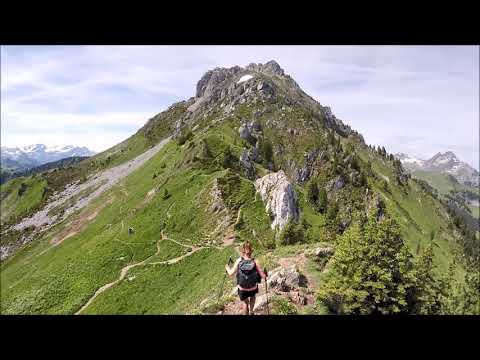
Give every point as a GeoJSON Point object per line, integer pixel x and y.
{"type": "Point", "coordinates": [382, 91]}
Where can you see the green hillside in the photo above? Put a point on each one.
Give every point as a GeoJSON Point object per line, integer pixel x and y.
{"type": "Point", "coordinates": [157, 242]}
{"type": "Point", "coordinates": [442, 182]}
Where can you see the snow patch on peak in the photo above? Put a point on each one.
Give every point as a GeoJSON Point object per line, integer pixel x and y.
{"type": "Point", "coordinates": [244, 78]}
{"type": "Point", "coordinates": [58, 148]}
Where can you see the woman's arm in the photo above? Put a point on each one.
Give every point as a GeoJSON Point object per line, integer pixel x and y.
{"type": "Point", "coordinates": [259, 269]}
{"type": "Point", "coordinates": [232, 270]}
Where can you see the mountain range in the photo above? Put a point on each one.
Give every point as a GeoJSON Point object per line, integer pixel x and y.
{"type": "Point", "coordinates": [445, 163]}
{"type": "Point", "coordinates": [23, 158]}
{"type": "Point", "coordinates": [147, 226]}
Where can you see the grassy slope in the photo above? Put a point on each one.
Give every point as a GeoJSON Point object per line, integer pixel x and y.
{"type": "Point", "coordinates": [439, 181]}
{"type": "Point", "coordinates": [155, 129]}
{"type": "Point", "coordinates": [419, 215]}
{"type": "Point", "coordinates": [14, 205]}
{"type": "Point", "coordinates": [444, 185]}
{"type": "Point", "coordinates": [45, 279]}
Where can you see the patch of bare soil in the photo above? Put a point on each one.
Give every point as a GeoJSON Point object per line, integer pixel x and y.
{"type": "Point", "coordinates": [78, 224]}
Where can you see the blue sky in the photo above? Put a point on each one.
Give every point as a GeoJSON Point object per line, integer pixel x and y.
{"type": "Point", "coordinates": [419, 99]}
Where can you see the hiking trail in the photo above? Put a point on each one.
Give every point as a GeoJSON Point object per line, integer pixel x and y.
{"type": "Point", "coordinates": [125, 269]}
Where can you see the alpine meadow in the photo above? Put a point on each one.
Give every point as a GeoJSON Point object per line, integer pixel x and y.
{"type": "Point", "coordinates": [147, 226]}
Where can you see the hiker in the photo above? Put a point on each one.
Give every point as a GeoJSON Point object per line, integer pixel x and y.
{"type": "Point", "coordinates": [249, 274]}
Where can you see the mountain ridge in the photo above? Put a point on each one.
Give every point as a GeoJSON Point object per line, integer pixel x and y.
{"type": "Point", "coordinates": [25, 157]}
{"type": "Point", "coordinates": [246, 154]}
{"type": "Point", "coordinates": [446, 163]}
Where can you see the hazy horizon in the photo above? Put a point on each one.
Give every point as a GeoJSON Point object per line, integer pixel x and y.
{"type": "Point", "coordinates": [418, 100]}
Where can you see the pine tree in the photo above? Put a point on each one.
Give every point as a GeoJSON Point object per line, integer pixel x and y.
{"type": "Point", "coordinates": [322, 200]}
{"type": "Point", "coordinates": [427, 287]}
{"type": "Point", "coordinates": [332, 218]}
{"type": "Point", "coordinates": [371, 270]}
{"type": "Point", "coordinates": [449, 296]}
{"type": "Point", "coordinates": [469, 297]}
{"type": "Point", "coordinates": [312, 193]}
{"type": "Point", "coordinates": [292, 233]}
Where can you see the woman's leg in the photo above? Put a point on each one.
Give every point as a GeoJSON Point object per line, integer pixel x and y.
{"type": "Point", "coordinates": [252, 303]}
{"type": "Point", "coordinates": [245, 306]}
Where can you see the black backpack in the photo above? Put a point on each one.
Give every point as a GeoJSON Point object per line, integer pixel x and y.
{"type": "Point", "coordinates": [247, 274]}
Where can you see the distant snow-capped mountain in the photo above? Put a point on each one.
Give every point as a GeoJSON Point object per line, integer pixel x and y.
{"type": "Point", "coordinates": [446, 163]}
{"type": "Point", "coordinates": [22, 158]}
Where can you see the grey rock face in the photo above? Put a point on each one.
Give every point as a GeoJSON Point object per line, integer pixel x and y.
{"type": "Point", "coordinates": [247, 164]}
{"type": "Point", "coordinates": [335, 184]}
{"type": "Point", "coordinates": [279, 198]}
{"type": "Point", "coordinates": [304, 173]}
{"type": "Point", "coordinates": [254, 155]}
{"type": "Point", "coordinates": [212, 80]}
{"type": "Point", "coordinates": [245, 132]}
{"type": "Point", "coordinates": [270, 67]}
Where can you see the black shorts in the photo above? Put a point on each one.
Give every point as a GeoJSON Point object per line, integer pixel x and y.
{"type": "Point", "coordinates": [245, 294]}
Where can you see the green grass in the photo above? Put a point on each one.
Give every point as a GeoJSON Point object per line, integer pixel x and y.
{"type": "Point", "coordinates": [419, 214]}
{"type": "Point", "coordinates": [15, 205]}
{"type": "Point", "coordinates": [59, 280]}
{"type": "Point", "coordinates": [169, 250]}
{"type": "Point", "coordinates": [166, 289]}
{"type": "Point", "coordinates": [442, 182]}
{"type": "Point", "coordinates": [41, 279]}
{"type": "Point", "coordinates": [475, 211]}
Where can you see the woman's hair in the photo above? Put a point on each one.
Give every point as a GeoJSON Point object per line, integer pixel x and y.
{"type": "Point", "coordinates": [247, 248]}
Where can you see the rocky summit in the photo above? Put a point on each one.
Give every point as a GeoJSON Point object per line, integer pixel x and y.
{"type": "Point", "coordinates": [147, 226]}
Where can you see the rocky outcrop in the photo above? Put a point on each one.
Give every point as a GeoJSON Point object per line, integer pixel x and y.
{"type": "Point", "coordinates": [279, 197]}
{"type": "Point", "coordinates": [213, 79]}
{"type": "Point", "coordinates": [271, 68]}
{"type": "Point", "coordinates": [336, 184]}
{"type": "Point", "coordinates": [336, 123]}
{"type": "Point", "coordinates": [228, 87]}
{"type": "Point", "coordinates": [303, 174]}
{"type": "Point", "coordinates": [247, 165]}
{"type": "Point", "coordinates": [245, 132]}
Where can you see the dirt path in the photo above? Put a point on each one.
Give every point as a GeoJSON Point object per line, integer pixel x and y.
{"type": "Point", "coordinates": [300, 261]}
{"type": "Point", "coordinates": [125, 269]}
{"type": "Point", "coordinates": [123, 273]}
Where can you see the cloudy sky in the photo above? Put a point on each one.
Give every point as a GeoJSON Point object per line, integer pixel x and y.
{"type": "Point", "coordinates": [419, 100]}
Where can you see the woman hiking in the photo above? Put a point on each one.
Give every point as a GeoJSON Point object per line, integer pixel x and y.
{"type": "Point", "coordinates": [249, 274]}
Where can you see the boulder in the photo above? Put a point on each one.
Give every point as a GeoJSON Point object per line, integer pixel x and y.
{"type": "Point", "coordinates": [279, 198]}
{"type": "Point", "coordinates": [298, 297]}
{"type": "Point", "coordinates": [260, 303]}
{"type": "Point", "coordinates": [322, 252]}
{"type": "Point", "coordinates": [286, 279]}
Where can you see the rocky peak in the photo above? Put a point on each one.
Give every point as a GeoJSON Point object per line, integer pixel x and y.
{"type": "Point", "coordinates": [271, 68]}
{"type": "Point", "coordinates": [214, 79]}
{"type": "Point", "coordinates": [217, 78]}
